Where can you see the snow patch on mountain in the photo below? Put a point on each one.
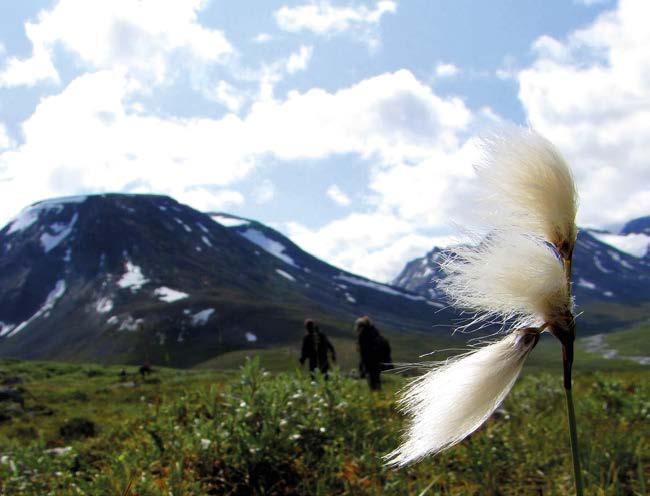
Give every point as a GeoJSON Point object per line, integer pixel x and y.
{"type": "Point", "coordinates": [59, 231]}
{"type": "Point", "coordinates": [29, 215]}
{"type": "Point", "coordinates": [185, 226]}
{"type": "Point", "coordinates": [267, 244]}
{"type": "Point", "coordinates": [350, 298]}
{"type": "Point", "coordinates": [286, 275]}
{"type": "Point", "coordinates": [202, 317]}
{"type": "Point", "coordinates": [23, 220]}
{"type": "Point", "coordinates": [5, 328]}
{"type": "Point", "coordinates": [378, 287]}
{"type": "Point", "coordinates": [206, 241]}
{"type": "Point", "coordinates": [586, 284]}
{"type": "Point", "coordinates": [44, 311]}
{"type": "Point", "coordinates": [617, 258]}
{"type": "Point", "coordinates": [104, 305]}
{"type": "Point", "coordinates": [132, 278]}
{"type": "Point", "coordinates": [633, 244]}
{"type": "Point", "coordinates": [229, 221]}
{"type": "Point", "coordinates": [169, 295]}
{"type": "Point", "coordinates": [599, 265]}
{"type": "Point", "coordinates": [130, 324]}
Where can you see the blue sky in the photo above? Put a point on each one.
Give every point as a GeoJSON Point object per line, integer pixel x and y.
{"type": "Point", "coordinates": [348, 125]}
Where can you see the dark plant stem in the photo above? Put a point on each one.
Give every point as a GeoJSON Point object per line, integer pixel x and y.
{"type": "Point", "coordinates": [567, 341]}
{"type": "Point", "coordinates": [567, 361]}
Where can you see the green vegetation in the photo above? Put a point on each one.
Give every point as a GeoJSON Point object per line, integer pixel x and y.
{"type": "Point", "coordinates": [86, 430]}
{"type": "Point", "coordinates": [631, 342]}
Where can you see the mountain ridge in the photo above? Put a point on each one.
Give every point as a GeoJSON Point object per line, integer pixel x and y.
{"type": "Point", "coordinates": [131, 278]}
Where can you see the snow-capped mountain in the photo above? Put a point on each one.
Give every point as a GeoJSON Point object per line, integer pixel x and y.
{"type": "Point", "coordinates": [126, 278]}
{"type": "Point", "coordinates": [611, 276]}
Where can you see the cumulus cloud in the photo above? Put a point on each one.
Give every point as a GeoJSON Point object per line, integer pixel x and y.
{"type": "Point", "coordinates": [210, 199]}
{"type": "Point", "coordinates": [446, 70]}
{"type": "Point", "coordinates": [262, 38]}
{"type": "Point", "coordinates": [264, 192]}
{"type": "Point", "coordinates": [590, 3]}
{"type": "Point", "coordinates": [324, 19]}
{"type": "Point", "coordinates": [298, 61]}
{"type": "Point", "coordinates": [86, 139]}
{"type": "Point", "coordinates": [590, 94]}
{"type": "Point", "coordinates": [338, 196]}
{"type": "Point", "coordinates": [5, 140]}
{"type": "Point", "coordinates": [95, 136]}
{"type": "Point", "coordinates": [228, 95]}
{"type": "Point", "coordinates": [140, 37]}
{"type": "Point", "coordinates": [373, 244]}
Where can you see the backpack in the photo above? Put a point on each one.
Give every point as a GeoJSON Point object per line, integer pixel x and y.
{"type": "Point", "coordinates": [383, 351]}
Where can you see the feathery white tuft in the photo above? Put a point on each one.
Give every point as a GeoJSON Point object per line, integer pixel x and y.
{"type": "Point", "coordinates": [509, 275]}
{"type": "Point", "coordinates": [451, 401]}
{"type": "Point", "coordinates": [529, 185]}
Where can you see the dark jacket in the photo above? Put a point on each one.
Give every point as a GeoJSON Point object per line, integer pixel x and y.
{"type": "Point", "coordinates": [374, 350]}
{"type": "Point", "coordinates": [316, 348]}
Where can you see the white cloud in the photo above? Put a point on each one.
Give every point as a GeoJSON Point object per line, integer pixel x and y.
{"type": "Point", "coordinates": [5, 140]}
{"type": "Point", "coordinates": [264, 192]}
{"type": "Point", "coordinates": [298, 61]}
{"type": "Point", "coordinates": [338, 196]}
{"type": "Point", "coordinates": [38, 67]}
{"type": "Point", "coordinates": [590, 94]}
{"type": "Point", "coordinates": [262, 38]}
{"type": "Point", "coordinates": [228, 95]}
{"type": "Point", "coordinates": [375, 244]}
{"type": "Point", "coordinates": [590, 3]}
{"type": "Point", "coordinates": [393, 117]}
{"type": "Point", "coordinates": [210, 199]}
{"type": "Point", "coordinates": [85, 139]}
{"type": "Point", "coordinates": [146, 38]}
{"type": "Point", "coordinates": [446, 70]}
{"type": "Point", "coordinates": [323, 18]}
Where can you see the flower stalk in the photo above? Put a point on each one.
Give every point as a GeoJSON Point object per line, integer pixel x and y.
{"type": "Point", "coordinates": [567, 364]}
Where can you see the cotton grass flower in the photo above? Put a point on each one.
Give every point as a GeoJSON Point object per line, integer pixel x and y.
{"type": "Point", "coordinates": [451, 401]}
{"type": "Point", "coordinates": [508, 276]}
{"type": "Point", "coordinates": [527, 184]}
{"type": "Point", "coordinates": [519, 275]}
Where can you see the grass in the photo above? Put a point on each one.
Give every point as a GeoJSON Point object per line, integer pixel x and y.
{"type": "Point", "coordinates": [633, 341]}
{"type": "Point", "coordinates": [250, 431]}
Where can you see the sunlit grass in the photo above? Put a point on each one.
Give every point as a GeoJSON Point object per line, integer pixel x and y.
{"type": "Point", "coordinates": [254, 432]}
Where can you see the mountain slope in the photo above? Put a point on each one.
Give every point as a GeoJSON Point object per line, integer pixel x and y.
{"type": "Point", "coordinates": [127, 278]}
{"type": "Point", "coordinates": [611, 286]}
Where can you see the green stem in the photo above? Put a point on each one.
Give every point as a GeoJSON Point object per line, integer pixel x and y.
{"type": "Point", "coordinates": [567, 356]}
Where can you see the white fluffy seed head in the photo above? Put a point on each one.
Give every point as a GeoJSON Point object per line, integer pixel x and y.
{"type": "Point", "coordinates": [508, 276]}
{"type": "Point", "coordinates": [451, 401]}
{"type": "Point", "coordinates": [527, 184]}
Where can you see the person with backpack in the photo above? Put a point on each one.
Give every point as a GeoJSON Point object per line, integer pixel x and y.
{"type": "Point", "coordinates": [316, 349]}
{"type": "Point", "coordinates": [374, 352]}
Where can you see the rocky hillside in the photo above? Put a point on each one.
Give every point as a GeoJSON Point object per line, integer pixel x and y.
{"type": "Point", "coordinates": [127, 278]}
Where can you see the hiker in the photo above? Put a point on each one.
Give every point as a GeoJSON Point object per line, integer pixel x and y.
{"type": "Point", "coordinates": [316, 348]}
{"type": "Point", "coordinates": [145, 370]}
{"type": "Point", "coordinates": [374, 351]}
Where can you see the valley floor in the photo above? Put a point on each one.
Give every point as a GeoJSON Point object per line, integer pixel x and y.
{"type": "Point", "coordinates": [86, 430]}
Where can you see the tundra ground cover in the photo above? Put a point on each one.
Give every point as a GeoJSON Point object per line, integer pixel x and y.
{"type": "Point", "coordinates": [250, 431]}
